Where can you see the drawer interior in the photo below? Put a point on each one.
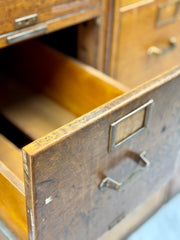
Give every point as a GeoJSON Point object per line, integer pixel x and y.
{"type": "Point", "coordinates": [41, 90]}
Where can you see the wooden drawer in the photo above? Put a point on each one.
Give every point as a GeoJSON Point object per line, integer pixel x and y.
{"type": "Point", "coordinates": [146, 40]}
{"type": "Point", "coordinates": [69, 158]}
{"type": "Point", "coordinates": [12, 11]}
{"type": "Point", "coordinates": [23, 19]}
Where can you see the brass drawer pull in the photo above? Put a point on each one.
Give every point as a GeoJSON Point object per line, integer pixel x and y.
{"type": "Point", "coordinates": [27, 34]}
{"type": "Point", "coordinates": [118, 186]}
{"type": "Point", "coordinates": [153, 50]}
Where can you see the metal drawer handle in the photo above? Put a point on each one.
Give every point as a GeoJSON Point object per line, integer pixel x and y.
{"type": "Point", "coordinates": [153, 50]}
{"type": "Point", "coordinates": [27, 34]}
{"type": "Point", "coordinates": [118, 186]}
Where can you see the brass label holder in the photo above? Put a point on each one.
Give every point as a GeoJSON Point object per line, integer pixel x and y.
{"type": "Point", "coordinates": [160, 21]}
{"type": "Point", "coordinates": [129, 119]}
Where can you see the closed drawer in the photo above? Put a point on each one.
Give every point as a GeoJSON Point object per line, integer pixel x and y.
{"type": "Point", "coordinates": [64, 168]}
{"type": "Point", "coordinates": [146, 41]}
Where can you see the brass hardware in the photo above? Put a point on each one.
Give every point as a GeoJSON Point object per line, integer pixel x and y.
{"type": "Point", "coordinates": [26, 21]}
{"type": "Point", "coordinates": [113, 128]}
{"type": "Point", "coordinates": [26, 34]}
{"type": "Point", "coordinates": [153, 50]}
{"type": "Point", "coordinates": [118, 186]}
{"type": "Point", "coordinates": [160, 22]}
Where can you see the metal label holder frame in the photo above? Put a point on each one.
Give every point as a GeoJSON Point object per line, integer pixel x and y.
{"type": "Point", "coordinates": [113, 127]}
{"type": "Point", "coordinates": [160, 22]}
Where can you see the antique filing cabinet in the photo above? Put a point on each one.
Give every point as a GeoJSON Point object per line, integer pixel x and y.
{"type": "Point", "coordinates": [94, 148]}
{"type": "Point", "coordinates": [145, 39]}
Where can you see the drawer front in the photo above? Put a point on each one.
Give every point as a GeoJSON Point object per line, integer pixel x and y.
{"type": "Point", "coordinates": [64, 170]}
{"type": "Point", "coordinates": [146, 40]}
{"type": "Point", "coordinates": [19, 14]}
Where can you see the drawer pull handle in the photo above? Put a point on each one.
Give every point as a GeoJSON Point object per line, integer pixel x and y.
{"type": "Point", "coordinates": [153, 50]}
{"type": "Point", "coordinates": [118, 186]}
{"type": "Point", "coordinates": [27, 34]}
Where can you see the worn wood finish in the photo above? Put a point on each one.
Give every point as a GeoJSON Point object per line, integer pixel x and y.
{"type": "Point", "coordinates": [57, 23]}
{"type": "Point", "coordinates": [129, 223]}
{"type": "Point", "coordinates": [134, 33]}
{"type": "Point", "coordinates": [63, 169]}
{"type": "Point", "coordinates": [68, 14]}
{"type": "Point", "coordinates": [46, 10]}
{"type": "Point", "coordinates": [36, 115]}
{"type": "Point", "coordinates": [76, 202]}
{"type": "Point", "coordinates": [12, 201]}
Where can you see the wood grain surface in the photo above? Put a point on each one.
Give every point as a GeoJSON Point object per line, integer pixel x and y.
{"type": "Point", "coordinates": [134, 32]}
{"type": "Point", "coordinates": [57, 23]}
{"type": "Point", "coordinates": [12, 200]}
{"type": "Point", "coordinates": [77, 160]}
{"type": "Point", "coordinates": [33, 113]}
{"type": "Point", "coordinates": [74, 85]}
{"type": "Point", "coordinates": [46, 10]}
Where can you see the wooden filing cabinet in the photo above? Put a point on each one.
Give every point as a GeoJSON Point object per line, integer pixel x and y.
{"type": "Point", "coordinates": [145, 39]}
{"type": "Point", "coordinates": [94, 148]}
{"type": "Point", "coordinates": [22, 20]}
{"type": "Point", "coordinates": [19, 14]}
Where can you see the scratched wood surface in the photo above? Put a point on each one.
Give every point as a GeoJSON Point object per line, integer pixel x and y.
{"type": "Point", "coordinates": [137, 217]}
{"type": "Point", "coordinates": [68, 82]}
{"type": "Point", "coordinates": [76, 159]}
{"type": "Point", "coordinates": [63, 169]}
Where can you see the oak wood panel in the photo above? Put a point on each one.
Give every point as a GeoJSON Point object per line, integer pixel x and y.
{"type": "Point", "coordinates": [80, 151]}
{"type": "Point", "coordinates": [12, 200]}
{"type": "Point", "coordinates": [134, 32]}
{"type": "Point", "coordinates": [31, 112]}
{"type": "Point", "coordinates": [13, 9]}
{"type": "Point", "coordinates": [77, 87]}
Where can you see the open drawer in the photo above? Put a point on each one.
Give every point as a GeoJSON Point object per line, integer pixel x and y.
{"type": "Point", "coordinates": [19, 14]}
{"type": "Point", "coordinates": [79, 126]}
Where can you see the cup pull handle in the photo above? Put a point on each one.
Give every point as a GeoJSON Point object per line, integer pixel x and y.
{"type": "Point", "coordinates": [153, 50]}
{"type": "Point", "coordinates": [118, 186]}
